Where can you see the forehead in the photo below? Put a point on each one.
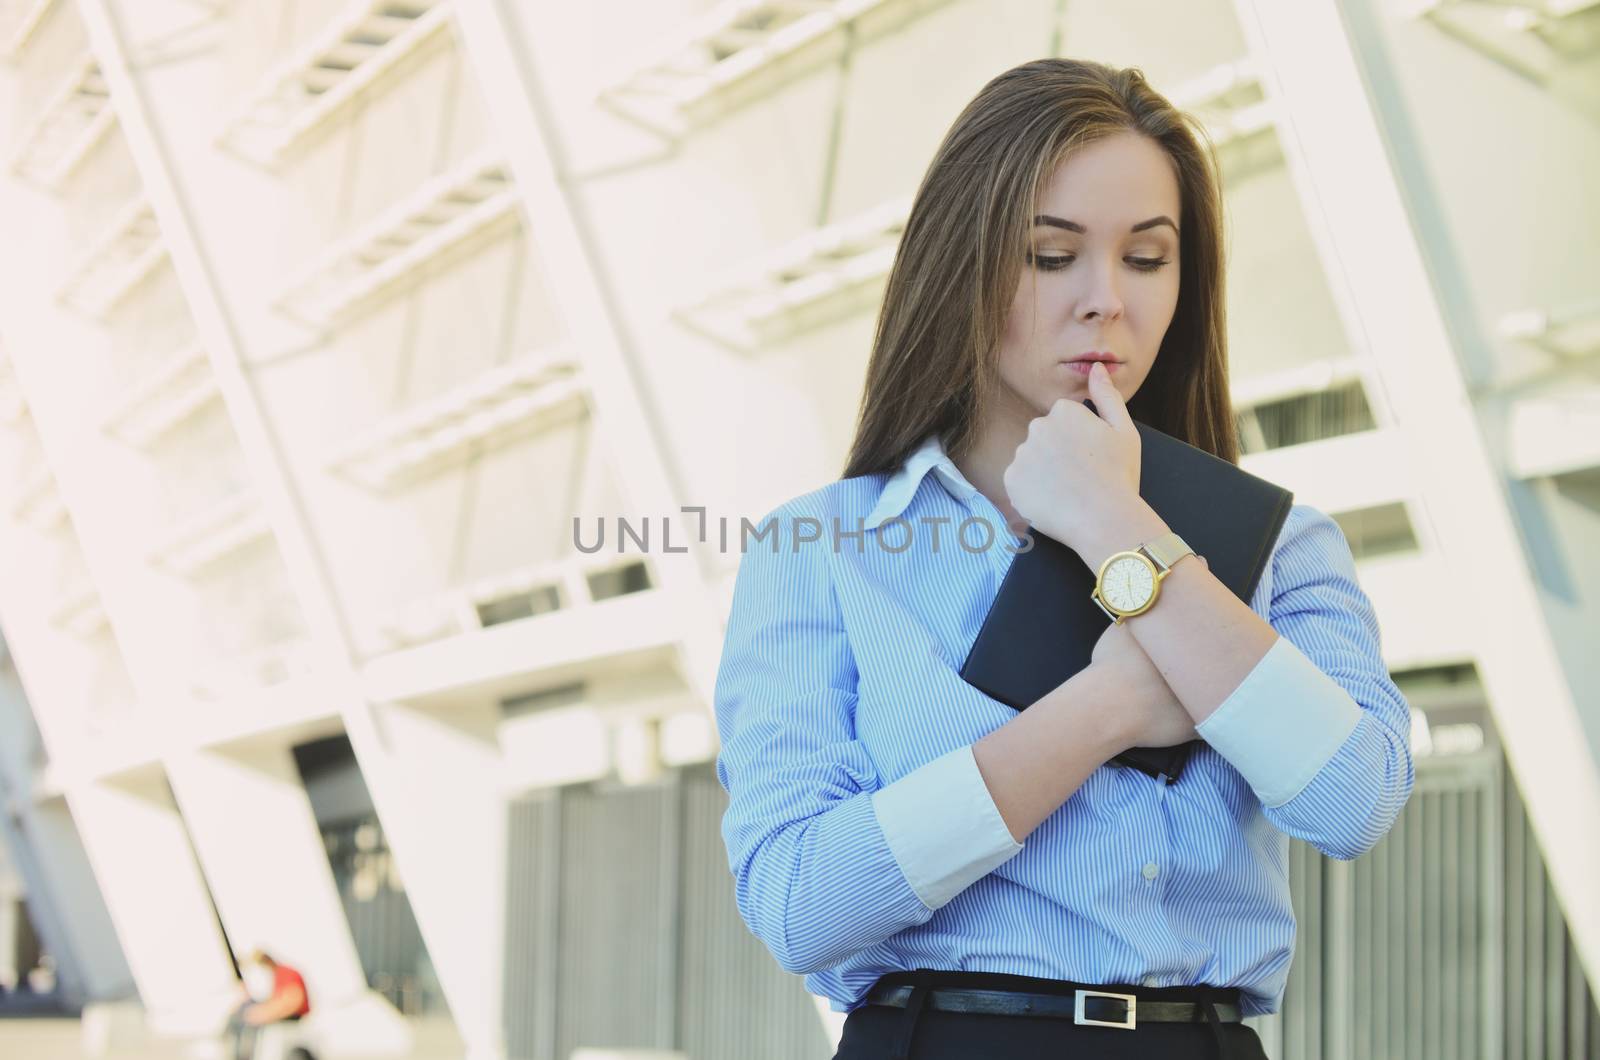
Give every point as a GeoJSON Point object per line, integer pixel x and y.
{"type": "Point", "coordinates": [1113, 183]}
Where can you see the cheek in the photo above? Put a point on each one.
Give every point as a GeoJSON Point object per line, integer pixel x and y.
{"type": "Point", "coordinates": [1019, 319]}
{"type": "Point", "coordinates": [1128, 387]}
{"type": "Point", "coordinates": [1170, 292]}
{"type": "Point", "coordinates": [1018, 335]}
{"type": "Point", "coordinates": [1158, 299]}
{"type": "Point", "coordinates": [1013, 362]}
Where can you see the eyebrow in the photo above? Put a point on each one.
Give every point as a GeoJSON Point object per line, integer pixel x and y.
{"type": "Point", "coordinates": [1073, 226]}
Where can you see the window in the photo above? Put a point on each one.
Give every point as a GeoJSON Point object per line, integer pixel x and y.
{"type": "Point", "coordinates": [1305, 418]}
{"type": "Point", "coordinates": [1381, 530]}
{"type": "Point", "coordinates": [540, 600]}
{"type": "Point", "coordinates": [632, 578]}
{"type": "Point", "coordinates": [544, 699]}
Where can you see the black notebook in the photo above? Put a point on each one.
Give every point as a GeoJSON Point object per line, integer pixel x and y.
{"type": "Point", "coordinates": [1042, 625]}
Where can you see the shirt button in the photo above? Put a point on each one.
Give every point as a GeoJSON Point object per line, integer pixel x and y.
{"type": "Point", "coordinates": [1150, 870]}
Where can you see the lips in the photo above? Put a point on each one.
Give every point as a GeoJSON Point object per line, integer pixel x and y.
{"type": "Point", "coordinates": [1085, 366]}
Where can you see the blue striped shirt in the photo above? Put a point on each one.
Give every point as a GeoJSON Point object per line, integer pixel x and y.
{"type": "Point", "coordinates": [863, 840]}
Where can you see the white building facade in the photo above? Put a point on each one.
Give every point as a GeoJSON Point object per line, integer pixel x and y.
{"type": "Point", "coordinates": [321, 324]}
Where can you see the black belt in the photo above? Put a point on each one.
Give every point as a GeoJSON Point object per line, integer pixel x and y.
{"type": "Point", "coordinates": [1083, 1004]}
{"type": "Point", "coordinates": [1095, 1008]}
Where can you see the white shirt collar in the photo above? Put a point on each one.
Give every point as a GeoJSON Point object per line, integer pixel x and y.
{"type": "Point", "coordinates": [902, 486]}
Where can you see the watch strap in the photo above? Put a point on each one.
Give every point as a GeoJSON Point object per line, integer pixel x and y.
{"type": "Point", "coordinates": [1166, 550]}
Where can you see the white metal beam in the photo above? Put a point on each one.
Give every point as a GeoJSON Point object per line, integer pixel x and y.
{"type": "Point", "coordinates": [469, 201]}
{"type": "Point", "coordinates": [453, 804]}
{"type": "Point", "coordinates": [1312, 62]}
{"type": "Point", "coordinates": [76, 117]}
{"type": "Point", "coordinates": [314, 85]}
{"type": "Point", "coordinates": [494, 35]}
{"type": "Point", "coordinates": [22, 21]}
{"type": "Point", "coordinates": [135, 806]}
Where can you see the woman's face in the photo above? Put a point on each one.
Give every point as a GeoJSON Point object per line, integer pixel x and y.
{"type": "Point", "coordinates": [1102, 275]}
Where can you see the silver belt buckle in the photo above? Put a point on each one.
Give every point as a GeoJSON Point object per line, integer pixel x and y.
{"type": "Point", "coordinates": [1079, 1017]}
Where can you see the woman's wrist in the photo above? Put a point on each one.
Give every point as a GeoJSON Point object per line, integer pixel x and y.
{"type": "Point", "coordinates": [1037, 760]}
{"type": "Point", "coordinates": [1090, 697]}
{"type": "Point", "coordinates": [1127, 527]}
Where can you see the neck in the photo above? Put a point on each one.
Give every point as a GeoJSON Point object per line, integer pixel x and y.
{"type": "Point", "coordinates": [984, 464]}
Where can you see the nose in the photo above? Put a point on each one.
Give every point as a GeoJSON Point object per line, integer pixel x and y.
{"type": "Point", "coordinates": [1100, 300]}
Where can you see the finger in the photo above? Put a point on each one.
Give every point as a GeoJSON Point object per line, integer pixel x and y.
{"type": "Point", "coordinates": [1107, 401]}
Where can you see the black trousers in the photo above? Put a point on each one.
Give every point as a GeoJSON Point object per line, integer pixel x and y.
{"type": "Point", "coordinates": [878, 1032]}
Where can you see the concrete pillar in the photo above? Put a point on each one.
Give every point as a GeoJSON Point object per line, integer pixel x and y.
{"type": "Point", "coordinates": [435, 778]}
{"type": "Point", "coordinates": [256, 837]}
{"type": "Point", "coordinates": [262, 853]}
{"type": "Point", "coordinates": [141, 856]}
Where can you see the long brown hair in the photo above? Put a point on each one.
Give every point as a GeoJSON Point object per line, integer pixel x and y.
{"type": "Point", "coordinates": [933, 365]}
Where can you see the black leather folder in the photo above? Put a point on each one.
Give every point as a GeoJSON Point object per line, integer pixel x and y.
{"type": "Point", "coordinates": [1042, 626]}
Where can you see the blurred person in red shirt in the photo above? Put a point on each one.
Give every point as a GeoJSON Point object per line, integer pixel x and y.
{"type": "Point", "coordinates": [273, 992]}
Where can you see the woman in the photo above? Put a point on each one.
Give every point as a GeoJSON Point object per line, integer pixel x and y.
{"type": "Point", "coordinates": [903, 840]}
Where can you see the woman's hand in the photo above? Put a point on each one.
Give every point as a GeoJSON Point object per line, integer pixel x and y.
{"type": "Point", "coordinates": [1146, 711]}
{"type": "Point", "coordinates": [1077, 473]}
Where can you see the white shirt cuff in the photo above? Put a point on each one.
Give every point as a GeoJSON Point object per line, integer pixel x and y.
{"type": "Point", "coordinates": [943, 826]}
{"type": "Point", "coordinates": [1282, 724]}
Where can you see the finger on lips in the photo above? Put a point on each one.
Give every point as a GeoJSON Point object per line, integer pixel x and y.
{"type": "Point", "coordinates": [1110, 405]}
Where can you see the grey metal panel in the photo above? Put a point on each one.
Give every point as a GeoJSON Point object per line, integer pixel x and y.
{"type": "Point", "coordinates": [1295, 1031]}
{"type": "Point", "coordinates": [383, 927]}
{"type": "Point", "coordinates": [1415, 970]}
{"type": "Point", "coordinates": [1457, 947]}
{"type": "Point", "coordinates": [1380, 872]}
{"type": "Point", "coordinates": [1429, 955]}
{"type": "Point", "coordinates": [1338, 937]}
{"type": "Point", "coordinates": [1532, 920]}
{"type": "Point", "coordinates": [1579, 1018]}
{"type": "Point", "coordinates": [736, 1002]}
{"type": "Point", "coordinates": [1551, 1011]}
{"type": "Point", "coordinates": [1451, 1013]}
{"type": "Point", "coordinates": [621, 931]}
{"type": "Point", "coordinates": [532, 926]}
{"type": "Point", "coordinates": [1391, 897]}
{"type": "Point", "coordinates": [1475, 903]}
{"type": "Point", "coordinates": [1444, 941]}
{"type": "Point", "coordinates": [612, 958]}
{"type": "Point", "coordinates": [1515, 1006]}
{"type": "Point", "coordinates": [1493, 972]}
{"type": "Point", "coordinates": [521, 931]}
{"type": "Point", "coordinates": [1554, 973]}
{"type": "Point", "coordinates": [1364, 988]}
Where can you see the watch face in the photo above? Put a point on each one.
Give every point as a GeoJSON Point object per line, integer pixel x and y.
{"type": "Point", "coordinates": [1128, 584]}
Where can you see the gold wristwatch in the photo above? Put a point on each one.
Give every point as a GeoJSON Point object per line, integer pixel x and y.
{"type": "Point", "coordinates": [1129, 582]}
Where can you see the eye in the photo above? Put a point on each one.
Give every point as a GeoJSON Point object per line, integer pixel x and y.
{"type": "Point", "coordinates": [1052, 263]}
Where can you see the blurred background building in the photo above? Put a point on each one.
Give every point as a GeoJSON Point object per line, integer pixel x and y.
{"type": "Point", "coordinates": [321, 322]}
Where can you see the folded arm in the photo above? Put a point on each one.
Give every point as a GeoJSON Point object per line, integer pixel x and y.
{"type": "Point", "coordinates": [827, 859]}
{"type": "Point", "coordinates": [1302, 706]}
